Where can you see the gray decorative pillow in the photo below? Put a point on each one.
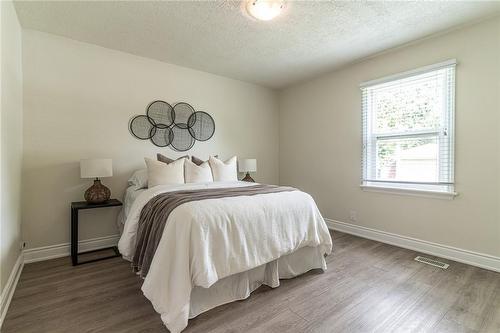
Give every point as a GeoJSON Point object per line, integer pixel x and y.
{"type": "Point", "coordinates": [165, 159]}
{"type": "Point", "coordinates": [198, 161]}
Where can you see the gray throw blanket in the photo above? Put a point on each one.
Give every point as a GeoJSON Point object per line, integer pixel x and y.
{"type": "Point", "coordinates": [155, 213]}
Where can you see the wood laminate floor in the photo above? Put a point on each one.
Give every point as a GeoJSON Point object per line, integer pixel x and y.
{"type": "Point", "coordinates": [369, 287]}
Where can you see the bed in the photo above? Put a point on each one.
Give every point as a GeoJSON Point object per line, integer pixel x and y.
{"type": "Point", "coordinates": [219, 249]}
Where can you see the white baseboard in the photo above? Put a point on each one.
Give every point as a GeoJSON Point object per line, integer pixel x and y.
{"type": "Point", "coordinates": [444, 251]}
{"type": "Point", "coordinates": [46, 253]}
{"type": "Point", "coordinates": [10, 287]}
{"type": "Point", "coordinates": [63, 250]}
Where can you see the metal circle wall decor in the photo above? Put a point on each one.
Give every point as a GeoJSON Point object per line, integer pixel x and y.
{"type": "Point", "coordinates": [182, 112]}
{"type": "Point", "coordinates": [201, 126]}
{"type": "Point", "coordinates": [182, 139]}
{"type": "Point", "coordinates": [141, 127]}
{"type": "Point", "coordinates": [162, 136]}
{"type": "Point", "coordinates": [160, 114]}
{"type": "Point", "coordinates": [178, 127]}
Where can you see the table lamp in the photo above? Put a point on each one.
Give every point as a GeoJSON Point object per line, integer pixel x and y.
{"type": "Point", "coordinates": [247, 165]}
{"type": "Point", "coordinates": [95, 168]}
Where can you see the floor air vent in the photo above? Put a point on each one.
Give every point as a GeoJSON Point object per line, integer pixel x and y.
{"type": "Point", "coordinates": [432, 262]}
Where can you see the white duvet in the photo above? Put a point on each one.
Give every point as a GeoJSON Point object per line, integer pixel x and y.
{"type": "Point", "coordinates": [205, 241]}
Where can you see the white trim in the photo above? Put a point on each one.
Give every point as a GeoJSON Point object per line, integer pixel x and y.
{"type": "Point", "coordinates": [10, 287]}
{"type": "Point", "coordinates": [407, 134]}
{"type": "Point", "coordinates": [477, 259]}
{"type": "Point", "coordinates": [46, 253]}
{"type": "Point", "coordinates": [63, 250]}
{"type": "Point", "coordinates": [402, 75]}
{"type": "Point", "coordinates": [410, 192]}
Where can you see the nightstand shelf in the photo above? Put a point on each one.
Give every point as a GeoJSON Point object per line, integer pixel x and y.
{"type": "Point", "coordinates": [75, 208]}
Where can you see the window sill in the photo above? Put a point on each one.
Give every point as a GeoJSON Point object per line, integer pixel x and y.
{"type": "Point", "coordinates": [410, 192]}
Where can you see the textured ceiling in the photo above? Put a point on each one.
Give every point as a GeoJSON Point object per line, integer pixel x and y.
{"type": "Point", "coordinates": [307, 39]}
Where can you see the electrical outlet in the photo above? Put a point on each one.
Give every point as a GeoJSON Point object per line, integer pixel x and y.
{"type": "Point", "coordinates": [353, 216]}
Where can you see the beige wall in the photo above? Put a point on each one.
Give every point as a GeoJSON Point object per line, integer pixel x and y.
{"type": "Point", "coordinates": [320, 143]}
{"type": "Point", "coordinates": [78, 99]}
{"type": "Point", "coordinates": [11, 140]}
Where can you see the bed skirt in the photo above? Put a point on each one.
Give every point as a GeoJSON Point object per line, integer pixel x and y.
{"type": "Point", "coordinates": [239, 286]}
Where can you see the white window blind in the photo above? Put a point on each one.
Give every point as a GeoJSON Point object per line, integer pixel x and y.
{"type": "Point", "coordinates": [408, 132]}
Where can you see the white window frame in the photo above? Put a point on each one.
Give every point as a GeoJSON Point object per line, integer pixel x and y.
{"type": "Point", "coordinates": [444, 135]}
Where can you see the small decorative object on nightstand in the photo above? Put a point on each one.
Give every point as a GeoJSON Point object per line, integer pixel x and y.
{"type": "Point", "coordinates": [75, 208]}
{"type": "Point", "coordinates": [95, 168]}
{"type": "Point", "coordinates": [247, 165]}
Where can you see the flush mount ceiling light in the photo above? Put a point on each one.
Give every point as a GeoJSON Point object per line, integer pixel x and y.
{"type": "Point", "coordinates": [265, 10]}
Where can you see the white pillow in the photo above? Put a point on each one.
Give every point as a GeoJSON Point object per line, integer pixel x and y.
{"type": "Point", "coordinates": [139, 179]}
{"type": "Point", "coordinates": [223, 171]}
{"type": "Point", "coordinates": [197, 173]}
{"type": "Point", "coordinates": [160, 173]}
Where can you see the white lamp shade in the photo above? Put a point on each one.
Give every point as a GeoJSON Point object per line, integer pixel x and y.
{"type": "Point", "coordinates": [247, 165]}
{"type": "Point", "coordinates": [96, 167]}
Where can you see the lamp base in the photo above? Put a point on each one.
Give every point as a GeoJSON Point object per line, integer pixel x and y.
{"type": "Point", "coordinates": [248, 178]}
{"type": "Point", "coordinates": [97, 193]}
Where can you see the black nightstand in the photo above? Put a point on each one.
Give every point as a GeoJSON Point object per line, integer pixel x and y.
{"type": "Point", "coordinates": [75, 207]}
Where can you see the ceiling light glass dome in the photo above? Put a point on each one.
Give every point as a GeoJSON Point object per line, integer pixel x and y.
{"type": "Point", "coordinates": [265, 10]}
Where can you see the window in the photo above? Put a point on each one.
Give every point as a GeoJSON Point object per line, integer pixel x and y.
{"type": "Point", "coordinates": [408, 130]}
